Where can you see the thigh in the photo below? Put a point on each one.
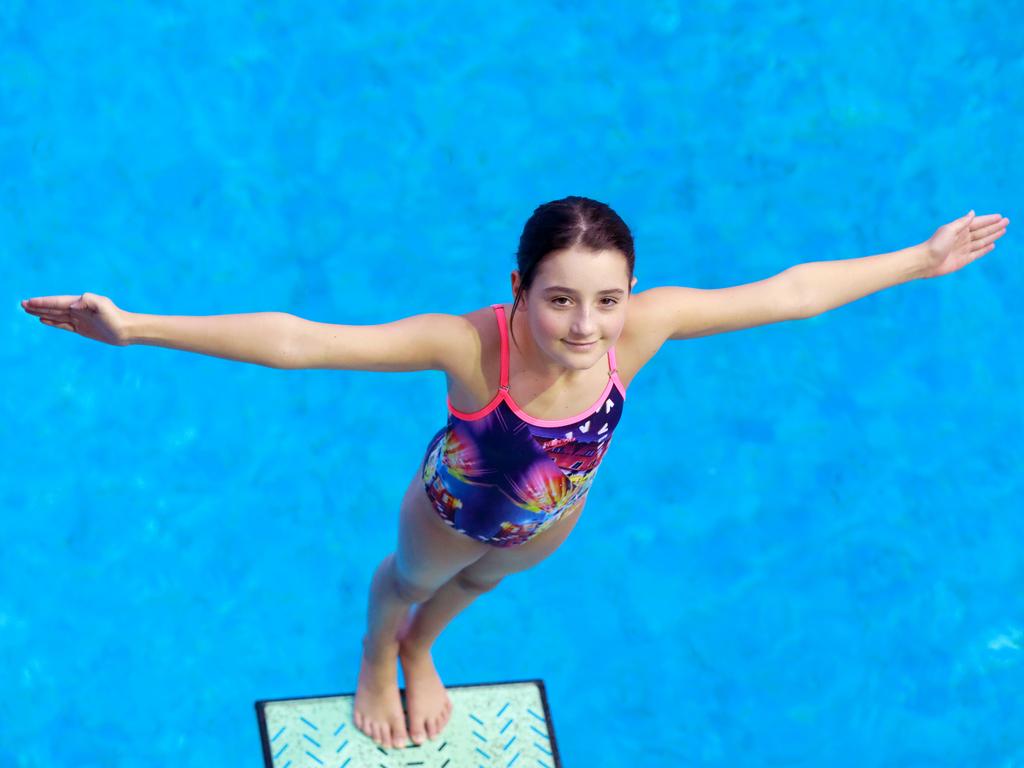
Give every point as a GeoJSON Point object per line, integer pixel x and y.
{"type": "Point", "coordinates": [498, 562]}
{"type": "Point", "coordinates": [429, 552]}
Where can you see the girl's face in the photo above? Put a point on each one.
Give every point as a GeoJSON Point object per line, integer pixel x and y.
{"type": "Point", "coordinates": [576, 307]}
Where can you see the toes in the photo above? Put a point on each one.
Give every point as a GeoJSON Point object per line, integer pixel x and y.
{"type": "Point", "coordinates": [432, 728]}
{"type": "Point", "coordinates": [399, 738]}
{"type": "Point", "coordinates": [387, 735]}
{"type": "Point", "coordinates": [418, 736]}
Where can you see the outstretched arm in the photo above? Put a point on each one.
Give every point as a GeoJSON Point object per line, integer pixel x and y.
{"type": "Point", "coordinates": [272, 339]}
{"type": "Point", "coordinates": [803, 290]}
{"type": "Point", "coordinates": [255, 337]}
{"type": "Point", "coordinates": [825, 285]}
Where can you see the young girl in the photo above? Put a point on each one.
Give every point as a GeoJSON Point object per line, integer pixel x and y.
{"type": "Point", "coordinates": [503, 483]}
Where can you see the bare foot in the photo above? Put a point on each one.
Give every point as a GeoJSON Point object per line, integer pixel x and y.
{"type": "Point", "coordinates": [429, 705]}
{"type": "Point", "coordinates": [378, 706]}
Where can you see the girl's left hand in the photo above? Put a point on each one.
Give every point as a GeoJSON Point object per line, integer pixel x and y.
{"type": "Point", "coordinates": [962, 241]}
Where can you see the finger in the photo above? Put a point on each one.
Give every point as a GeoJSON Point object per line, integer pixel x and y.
{"type": "Point", "coordinates": [979, 252]}
{"type": "Point", "coordinates": [53, 314]}
{"type": "Point", "coordinates": [64, 326]}
{"type": "Point", "coordinates": [984, 221]}
{"type": "Point", "coordinates": [997, 227]}
{"type": "Point", "coordinates": [980, 242]}
{"type": "Point", "coordinates": [51, 302]}
{"type": "Point", "coordinates": [43, 310]}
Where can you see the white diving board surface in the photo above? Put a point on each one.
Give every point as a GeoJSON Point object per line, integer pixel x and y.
{"type": "Point", "coordinates": [492, 724]}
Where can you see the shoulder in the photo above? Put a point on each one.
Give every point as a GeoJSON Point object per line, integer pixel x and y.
{"type": "Point", "coordinates": [642, 335]}
{"type": "Point", "coordinates": [470, 338]}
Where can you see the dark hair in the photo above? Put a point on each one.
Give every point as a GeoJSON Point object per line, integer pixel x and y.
{"type": "Point", "coordinates": [566, 223]}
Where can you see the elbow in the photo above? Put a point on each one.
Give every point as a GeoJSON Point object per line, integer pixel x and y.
{"type": "Point", "coordinates": [809, 307]}
{"type": "Point", "coordinates": [799, 299]}
{"type": "Point", "coordinates": [288, 359]}
{"type": "Point", "coordinates": [805, 309]}
{"type": "Point", "coordinates": [289, 349]}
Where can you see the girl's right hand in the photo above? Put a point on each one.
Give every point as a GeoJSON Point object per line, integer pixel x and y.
{"type": "Point", "coordinates": [90, 315]}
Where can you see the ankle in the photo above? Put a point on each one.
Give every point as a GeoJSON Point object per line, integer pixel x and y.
{"type": "Point", "coordinates": [412, 647]}
{"type": "Point", "coordinates": [379, 651]}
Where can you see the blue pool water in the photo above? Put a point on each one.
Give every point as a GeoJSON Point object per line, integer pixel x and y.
{"type": "Point", "coordinates": [804, 548]}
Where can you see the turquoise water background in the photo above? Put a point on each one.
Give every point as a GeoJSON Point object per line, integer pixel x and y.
{"type": "Point", "coordinates": [804, 548]}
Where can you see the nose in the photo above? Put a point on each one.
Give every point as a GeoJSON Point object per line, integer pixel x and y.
{"type": "Point", "coordinates": [583, 324]}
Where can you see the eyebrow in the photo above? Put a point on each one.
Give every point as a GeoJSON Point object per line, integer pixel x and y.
{"type": "Point", "coordinates": [563, 289]}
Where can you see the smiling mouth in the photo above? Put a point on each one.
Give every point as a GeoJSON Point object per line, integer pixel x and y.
{"type": "Point", "coordinates": [581, 343]}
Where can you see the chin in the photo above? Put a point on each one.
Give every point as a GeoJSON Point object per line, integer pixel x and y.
{"type": "Point", "coordinates": [583, 358]}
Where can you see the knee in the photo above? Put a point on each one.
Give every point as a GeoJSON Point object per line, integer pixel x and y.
{"type": "Point", "coordinates": [474, 583]}
{"type": "Point", "coordinates": [408, 589]}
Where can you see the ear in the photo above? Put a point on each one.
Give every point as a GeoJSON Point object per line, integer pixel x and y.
{"type": "Point", "coordinates": [633, 284]}
{"type": "Point", "coordinates": [515, 285]}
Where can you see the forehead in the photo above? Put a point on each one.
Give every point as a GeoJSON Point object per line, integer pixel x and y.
{"type": "Point", "coordinates": [576, 266]}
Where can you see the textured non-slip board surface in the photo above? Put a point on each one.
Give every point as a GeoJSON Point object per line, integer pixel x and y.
{"type": "Point", "coordinates": [492, 724]}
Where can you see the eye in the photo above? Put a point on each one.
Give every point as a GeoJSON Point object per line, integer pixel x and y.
{"type": "Point", "coordinates": [613, 301]}
{"type": "Point", "coordinates": [558, 298]}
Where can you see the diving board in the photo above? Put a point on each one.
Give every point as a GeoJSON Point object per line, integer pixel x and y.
{"type": "Point", "coordinates": [492, 724]}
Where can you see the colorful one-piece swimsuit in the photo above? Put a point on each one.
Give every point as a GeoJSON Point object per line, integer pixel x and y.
{"type": "Point", "coordinates": [501, 476]}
